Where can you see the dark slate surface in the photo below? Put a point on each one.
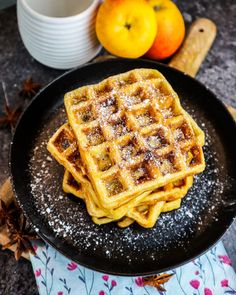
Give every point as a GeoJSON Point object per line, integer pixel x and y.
{"type": "Point", "coordinates": [218, 72]}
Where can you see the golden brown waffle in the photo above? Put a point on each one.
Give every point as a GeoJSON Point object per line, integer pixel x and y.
{"type": "Point", "coordinates": [128, 133]}
{"type": "Point", "coordinates": [142, 132]}
{"type": "Point", "coordinates": [62, 144]}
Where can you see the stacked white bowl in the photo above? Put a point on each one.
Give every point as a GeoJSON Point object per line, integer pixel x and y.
{"type": "Point", "coordinates": [59, 33]}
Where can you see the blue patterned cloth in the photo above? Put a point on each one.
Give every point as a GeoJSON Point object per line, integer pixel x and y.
{"type": "Point", "coordinates": [210, 274]}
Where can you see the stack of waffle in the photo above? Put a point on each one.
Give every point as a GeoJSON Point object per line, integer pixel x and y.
{"type": "Point", "coordinates": [129, 149]}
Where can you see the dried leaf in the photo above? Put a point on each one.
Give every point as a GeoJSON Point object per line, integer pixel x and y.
{"type": "Point", "coordinates": [157, 281]}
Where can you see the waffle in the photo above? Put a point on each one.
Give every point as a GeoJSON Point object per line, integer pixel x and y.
{"type": "Point", "coordinates": [142, 132]}
{"type": "Point", "coordinates": [129, 149]}
{"type": "Point", "coordinates": [62, 145]}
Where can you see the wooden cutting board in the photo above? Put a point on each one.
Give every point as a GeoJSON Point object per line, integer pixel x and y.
{"type": "Point", "coordinates": [192, 53]}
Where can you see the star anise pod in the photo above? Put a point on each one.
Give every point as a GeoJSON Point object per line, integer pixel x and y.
{"type": "Point", "coordinates": [20, 235]}
{"type": "Point", "coordinates": [157, 281]}
{"type": "Point", "coordinates": [18, 231]}
{"type": "Point", "coordinates": [29, 88]}
{"type": "Point", "coordinates": [11, 116]}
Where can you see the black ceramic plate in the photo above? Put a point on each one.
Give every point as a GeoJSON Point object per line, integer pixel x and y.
{"type": "Point", "coordinates": [62, 220]}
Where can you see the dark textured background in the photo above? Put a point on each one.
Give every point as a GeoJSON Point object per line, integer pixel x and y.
{"type": "Point", "coordinates": [218, 72]}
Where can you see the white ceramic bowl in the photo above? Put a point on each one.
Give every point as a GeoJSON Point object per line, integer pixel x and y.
{"type": "Point", "coordinates": [59, 33]}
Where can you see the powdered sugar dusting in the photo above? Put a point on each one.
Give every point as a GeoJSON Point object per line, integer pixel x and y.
{"type": "Point", "coordinates": [68, 219]}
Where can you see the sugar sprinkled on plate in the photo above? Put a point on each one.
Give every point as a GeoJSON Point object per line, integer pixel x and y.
{"type": "Point", "coordinates": [68, 219]}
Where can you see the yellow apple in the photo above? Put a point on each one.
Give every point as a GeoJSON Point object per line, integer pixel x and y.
{"type": "Point", "coordinates": [126, 28]}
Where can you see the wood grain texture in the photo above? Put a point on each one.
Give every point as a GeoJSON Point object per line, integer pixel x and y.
{"type": "Point", "coordinates": [198, 42]}
{"type": "Point", "coordinates": [6, 194]}
{"type": "Point", "coordinates": [191, 55]}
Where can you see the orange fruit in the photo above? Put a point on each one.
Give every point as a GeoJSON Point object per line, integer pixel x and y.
{"type": "Point", "coordinates": [171, 29]}
{"type": "Point", "coordinates": [126, 28]}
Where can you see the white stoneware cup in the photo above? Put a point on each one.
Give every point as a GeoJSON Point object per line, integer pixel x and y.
{"type": "Point", "coordinates": [59, 33]}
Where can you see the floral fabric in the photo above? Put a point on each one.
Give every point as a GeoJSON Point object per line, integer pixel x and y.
{"type": "Point", "coordinates": [210, 274]}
